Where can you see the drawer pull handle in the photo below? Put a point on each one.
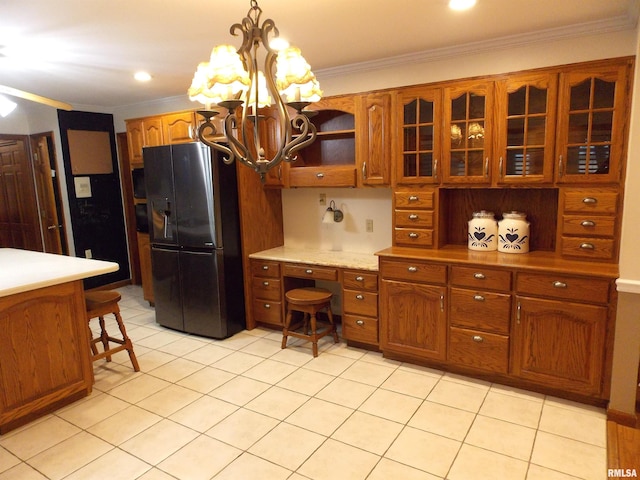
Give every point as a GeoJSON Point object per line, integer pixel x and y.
{"type": "Point", "coordinates": [588, 223]}
{"type": "Point", "coordinates": [478, 339]}
{"type": "Point", "coordinates": [587, 246]}
{"type": "Point", "coordinates": [360, 297]}
{"type": "Point", "coordinates": [265, 283]}
{"type": "Point", "coordinates": [359, 278]}
{"type": "Point", "coordinates": [265, 267]}
{"type": "Point", "coordinates": [413, 216]}
{"type": "Point", "coordinates": [414, 198]}
{"type": "Point", "coordinates": [320, 175]}
{"type": "Point", "coordinates": [413, 269]}
{"type": "Point", "coordinates": [478, 298]}
{"type": "Point", "coordinates": [558, 284]}
{"type": "Point", "coordinates": [309, 271]}
{"type": "Point", "coordinates": [589, 200]}
{"type": "Point", "coordinates": [413, 235]}
{"type": "Point", "coordinates": [360, 323]}
{"type": "Point", "coordinates": [479, 276]}
{"type": "Point", "coordinates": [267, 305]}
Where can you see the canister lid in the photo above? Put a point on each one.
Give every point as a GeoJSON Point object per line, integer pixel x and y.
{"type": "Point", "coordinates": [514, 215]}
{"type": "Point", "coordinates": [483, 214]}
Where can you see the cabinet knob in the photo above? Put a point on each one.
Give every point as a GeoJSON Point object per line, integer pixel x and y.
{"type": "Point", "coordinates": [265, 267]}
{"type": "Point", "coordinates": [413, 216]}
{"type": "Point", "coordinates": [412, 269]}
{"type": "Point", "coordinates": [478, 298]}
{"type": "Point", "coordinates": [588, 223]}
{"type": "Point", "coordinates": [320, 175]}
{"type": "Point", "coordinates": [359, 278]}
{"type": "Point", "coordinates": [265, 283]}
{"type": "Point", "coordinates": [414, 198]}
{"type": "Point", "coordinates": [589, 200]}
{"type": "Point", "coordinates": [308, 271]}
{"type": "Point", "coordinates": [587, 246]}
{"type": "Point", "coordinates": [413, 235]}
{"type": "Point", "coordinates": [267, 306]}
{"type": "Point", "coordinates": [479, 276]}
{"type": "Point", "coordinates": [478, 339]}
{"type": "Point", "coordinates": [558, 284]}
{"type": "Point", "coordinates": [360, 296]}
{"type": "Point", "coordinates": [360, 323]}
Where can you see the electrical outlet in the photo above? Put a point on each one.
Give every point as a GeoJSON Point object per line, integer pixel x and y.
{"type": "Point", "coordinates": [87, 253]}
{"type": "Point", "coordinates": [369, 225]}
{"type": "Point", "coordinates": [323, 199]}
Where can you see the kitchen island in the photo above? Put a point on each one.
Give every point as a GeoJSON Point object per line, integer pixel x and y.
{"type": "Point", "coordinates": [45, 361]}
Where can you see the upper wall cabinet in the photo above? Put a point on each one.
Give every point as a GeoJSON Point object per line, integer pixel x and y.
{"type": "Point", "coordinates": [330, 161]}
{"type": "Point", "coordinates": [592, 122]}
{"type": "Point", "coordinates": [373, 139]}
{"type": "Point", "coordinates": [468, 129]}
{"type": "Point", "coordinates": [418, 133]}
{"type": "Point", "coordinates": [525, 129]}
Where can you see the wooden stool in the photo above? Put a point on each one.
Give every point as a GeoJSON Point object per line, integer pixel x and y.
{"type": "Point", "coordinates": [310, 301]}
{"type": "Point", "coordinates": [100, 303]}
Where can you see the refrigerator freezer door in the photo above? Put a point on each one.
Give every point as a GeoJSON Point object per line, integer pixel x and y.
{"type": "Point", "coordinates": [196, 210]}
{"type": "Point", "coordinates": [166, 287]}
{"type": "Point", "coordinates": [202, 302]}
{"type": "Point", "coordinates": [161, 202]}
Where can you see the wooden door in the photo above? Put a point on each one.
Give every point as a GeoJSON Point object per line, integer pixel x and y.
{"type": "Point", "coordinates": [413, 319]}
{"type": "Point", "coordinates": [19, 223]}
{"type": "Point", "coordinates": [559, 344]}
{"type": "Point", "coordinates": [374, 139]}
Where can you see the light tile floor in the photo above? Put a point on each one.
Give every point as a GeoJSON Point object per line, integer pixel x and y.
{"type": "Point", "coordinates": [243, 408]}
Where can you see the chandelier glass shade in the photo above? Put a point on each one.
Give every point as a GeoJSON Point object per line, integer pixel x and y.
{"type": "Point", "coordinates": [243, 81]}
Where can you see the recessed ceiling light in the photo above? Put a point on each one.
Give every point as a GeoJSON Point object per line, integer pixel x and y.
{"type": "Point", "coordinates": [142, 76]}
{"type": "Point", "coordinates": [461, 4]}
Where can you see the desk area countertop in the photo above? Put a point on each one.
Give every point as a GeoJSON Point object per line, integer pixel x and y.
{"type": "Point", "coordinates": [25, 270]}
{"type": "Point", "coordinates": [354, 260]}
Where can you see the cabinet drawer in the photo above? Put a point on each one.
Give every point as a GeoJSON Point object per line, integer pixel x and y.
{"type": "Point", "coordinates": [360, 281]}
{"type": "Point", "coordinates": [480, 310]}
{"type": "Point", "coordinates": [413, 218]}
{"type": "Point", "coordinates": [266, 288]}
{"type": "Point", "coordinates": [590, 200]}
{"type": "Point", "coordinates": [413, 270]}
{"type": "Point", "coordinates": [484, 351]}
{"type": "Point", "coordinates": [360, 303]}
{"type": "Point", "coordinates": [267, 312]}
{"type": "Point", "coordinates": [309, 271]}
{"type": "Point", "coordinates": [265, 268]}
{"type": "Point", "coordinates": [342, 176]}
{"type": "Point", "coordinates": [588, 225]}
{"type": "Point", "coordinates": [360, 329]}
{"type": "Point", "coordinates": [597, 248]}
{"type": "Point", "coordinates": [480, 277]}
{"type": "Point", "coordinates": [591, 290]}
{"type": "Point", "coordinates": [413, 237]}
{"type": "Point", "coordinates": [414, 199]}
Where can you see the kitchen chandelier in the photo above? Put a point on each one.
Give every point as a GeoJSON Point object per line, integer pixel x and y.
{"type": "Point", "coordinates": [232, 79]}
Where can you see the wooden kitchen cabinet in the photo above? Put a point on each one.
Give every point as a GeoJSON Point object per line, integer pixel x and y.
{"type": "Point", "coordinates": [179, 128]}
{"type": "Point", "coordinates": [418, 135]}
{"type": "Point", "coordinates": [525, 108]}
{"type": "Point", "coordinates": [414, 217]}
{"type": "Point", "coordinates": [593, 120]}
{"type": "Point", "coordinates": [413, 318]}
{"type": "Point", "coordinates": [374, 139]}
{"type": "Point", "coordinates": [360, 307]}
{"type": "Point", "coordinates": [144, 250]}
{"type": "Point", "coordinates": [267, 292]}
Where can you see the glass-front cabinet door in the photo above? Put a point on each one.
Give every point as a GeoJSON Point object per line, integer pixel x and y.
{"type": "Point", "coordinates": [467, 135]}
{"type": "Point", "coordinates": [419, 119]}
{"type": "Point", "coordinates": [525, 129]}
{"type": "Point", "coordinates": [592, 115]}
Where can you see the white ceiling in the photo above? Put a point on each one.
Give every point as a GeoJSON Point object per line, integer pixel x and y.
{"type": "Point", "coordinates": [88, 50]}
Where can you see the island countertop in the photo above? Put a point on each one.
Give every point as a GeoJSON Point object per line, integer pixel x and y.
{"type": "Point", "coordinates": [333, 258]}
{"type": "Point", "coordinates": [25, 270]}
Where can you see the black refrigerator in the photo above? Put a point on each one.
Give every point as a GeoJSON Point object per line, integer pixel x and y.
{"type": "Point", "coordinates": [194, 229]}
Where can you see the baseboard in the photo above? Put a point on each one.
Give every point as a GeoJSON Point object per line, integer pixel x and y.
{"type": "Point", "coordinates": [622, 418]}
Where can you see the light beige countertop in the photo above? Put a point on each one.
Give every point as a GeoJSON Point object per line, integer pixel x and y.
{"type": "Point", "coordinates": [358, 261]}
{"type": "Point", "coordinates": [25, 270]}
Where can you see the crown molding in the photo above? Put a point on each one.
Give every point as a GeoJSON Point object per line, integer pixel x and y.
{"type": "Point", "coordinates": [626, 22]}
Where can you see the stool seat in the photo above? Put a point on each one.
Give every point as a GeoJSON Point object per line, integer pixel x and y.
{"type": "Point", "coordinates": [98, 304]}
{"type": "Point", "coordinates": [309, 301]}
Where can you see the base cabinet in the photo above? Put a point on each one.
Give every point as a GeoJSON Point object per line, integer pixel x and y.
{"type": "Point", "coordinates": [559, 344]}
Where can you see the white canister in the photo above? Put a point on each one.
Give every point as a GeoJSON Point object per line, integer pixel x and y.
{"type": "Point", "coordinates": [483, 231]}
{"type": "Point", "coordinates": [513, 233]}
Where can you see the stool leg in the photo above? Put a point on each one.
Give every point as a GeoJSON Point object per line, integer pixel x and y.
{"type": "Point", "coordinates": [314, 335]}
{"type": "Point", "coordinates": [127, 342]}
{"type": "Point", "coordinates": [104, 337]}
{"type": "Point", "coordinates": [333, 325]}
{"type": "Point", "coordinates": [285, 329]}
{"type": "Point", "coordinates": [94, 349]}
